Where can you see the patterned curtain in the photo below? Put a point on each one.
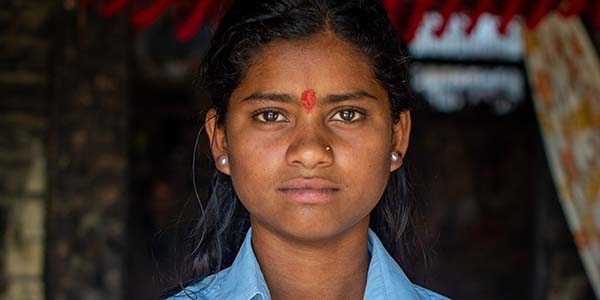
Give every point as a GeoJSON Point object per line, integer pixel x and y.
{"type": "Point", "coordinates": [564, 72]}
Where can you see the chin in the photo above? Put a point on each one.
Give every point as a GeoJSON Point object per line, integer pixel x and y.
{"type": "Point", "coordinates": [317, 232]}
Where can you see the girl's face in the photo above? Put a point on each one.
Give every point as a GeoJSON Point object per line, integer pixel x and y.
{"type": "Point", "coordinates": [309, 137]}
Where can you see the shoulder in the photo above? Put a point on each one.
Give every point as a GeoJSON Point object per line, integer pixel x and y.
{"type": "Point", "coordinates": [242, 280]}
{"type": "Point", "coordinates": [387, 280]}
{"type": "Point", "coordinates": [426, 294]}
{"type": "Point", "coordinates": [203, 290]}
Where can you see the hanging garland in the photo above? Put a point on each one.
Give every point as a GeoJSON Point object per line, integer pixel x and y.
{"type": "Point", "coordinates": [405, 15]}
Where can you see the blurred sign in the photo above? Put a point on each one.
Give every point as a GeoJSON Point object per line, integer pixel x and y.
{"type": "Point", "coordinates": [564, 72]}
{"type": "Point", "coordinates": [483, 43]}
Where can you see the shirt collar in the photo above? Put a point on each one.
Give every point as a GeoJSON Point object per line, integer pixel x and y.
{"type": "Point", "coordinates": [244, 279]}
{"type": "Point", "coordinates": [385, 279]}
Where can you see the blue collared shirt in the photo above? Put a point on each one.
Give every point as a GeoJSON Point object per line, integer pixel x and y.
{"type": "Point", "coordinates": [243, 280]}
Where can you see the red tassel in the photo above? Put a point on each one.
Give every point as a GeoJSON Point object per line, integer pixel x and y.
{"type": "Point", "coordinates": [112, 7]}
{"type": "Point", "coordinates": [393, 8]}
{"type": "Point", "coordinates": [449, 7]}
{"type": "Point", "coordinates": [217, 13]}
{"type": "Point", "coordinates": [193, 23]}
{"type": "Point", "coordinates": [510, 11]}
{"type": "Point", "coordinates": [421, 6]}
{"type": "Point", "coordinates": [597, 16]}
{"type": "Point", "coordinates": [483, 5]}
{"type": "Point", "coordinates": [149, 14]}
{"type": "Point", "coordinates": [538, 13]}
{"type": "Point", "coordinates": [575, 7]}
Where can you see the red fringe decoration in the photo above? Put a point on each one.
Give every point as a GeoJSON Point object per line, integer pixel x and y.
{"type": "Point", "coordinates": [394, 10]}
{"type": "Point", "coordinates": [421, 6]}
{"type": "Point", "coordinates": [112, 7]}
{"type": "Point", "coordinates": [510, 11]}
{"type": "Point", "coordinates": [192, 24]}
{"type": "Point", "coordinates": [149, 14]}
{"type": "Point", "coordinates": [449, 7]}
{"type": "Point", "coordinates": [483, 6]}
{"type": "Point", "coordinates": [538, 12]}
{"type": "Point", "coordinates": [575, 7]}
{"type": "Point", "coordinates": [596, 16]}
{"type": "Point", "coordinates": [402, 16]}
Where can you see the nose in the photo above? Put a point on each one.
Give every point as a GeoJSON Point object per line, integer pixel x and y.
{"type": "Point", "coordinates": [310, 148]}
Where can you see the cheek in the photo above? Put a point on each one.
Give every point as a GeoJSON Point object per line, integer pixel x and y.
{"type": "Point", "coordinates": [249, 150]}
{"type": "Point", "coordinates": [253, 161]}
{"type": "Point", "coordinates": [248, 163]}
{"type": "Point", "coordinates": [370, 148]}
{"type": "Point", "coordinates": [370, 163]}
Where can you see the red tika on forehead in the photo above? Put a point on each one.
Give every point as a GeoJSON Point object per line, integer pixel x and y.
{"type": "Point", "coordinates": [309, 99]}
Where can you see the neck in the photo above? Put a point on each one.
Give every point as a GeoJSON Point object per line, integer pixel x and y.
{"type": "Point", "coordinates": [334, 268]}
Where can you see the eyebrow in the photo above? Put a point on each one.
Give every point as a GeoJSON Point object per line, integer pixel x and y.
{"type": "Point", "coordinates": [331, 98]}
{"type": "Point", "coordinates": [270, 97]}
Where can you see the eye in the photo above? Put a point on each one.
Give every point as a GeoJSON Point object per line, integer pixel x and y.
{"type": "Point", "coordinates": [348, 115]}
{"type": "Point", "coordinates": [269, 116]}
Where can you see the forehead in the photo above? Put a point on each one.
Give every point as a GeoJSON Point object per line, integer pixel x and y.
{"type": "Point", "coordinates": [322, 62]}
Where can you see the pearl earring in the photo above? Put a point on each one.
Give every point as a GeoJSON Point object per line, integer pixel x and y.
{"type": "Point", "coordinates": [223, 160]}
{"type": "Point", "coordinates": [395, 156]}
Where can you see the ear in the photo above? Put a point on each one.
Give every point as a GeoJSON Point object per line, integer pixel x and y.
{"type": "Point", "coordinates": [400, 138]}
{"type": "Point", "coordinates": [217, 139]}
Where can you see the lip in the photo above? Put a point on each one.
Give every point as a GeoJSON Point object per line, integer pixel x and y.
{"type": "Point", "coordinates": [309, 190]}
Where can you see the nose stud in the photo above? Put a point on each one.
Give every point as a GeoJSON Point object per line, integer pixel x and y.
{"type": "Point", "coordinates": [327, 148]}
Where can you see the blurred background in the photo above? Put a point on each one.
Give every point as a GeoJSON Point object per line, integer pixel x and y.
{"type": "Point", "coordinates": [99, 117]}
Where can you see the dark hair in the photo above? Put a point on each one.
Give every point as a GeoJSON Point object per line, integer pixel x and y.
{"type": "Point", "coordinates": [246, 28]}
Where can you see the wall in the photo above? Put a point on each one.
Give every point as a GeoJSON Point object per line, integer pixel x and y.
{"type": "Point", "coordinates": [23, 189]}
{"type": "Point", "coordinates": [87, 154]}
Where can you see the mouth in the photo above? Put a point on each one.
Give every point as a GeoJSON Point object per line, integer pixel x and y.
{"type": "Point", "coordinates": [309, 190]}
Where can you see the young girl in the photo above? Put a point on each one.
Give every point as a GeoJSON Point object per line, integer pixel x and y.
{"type": "Point", "coordinates": [308, 129]}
